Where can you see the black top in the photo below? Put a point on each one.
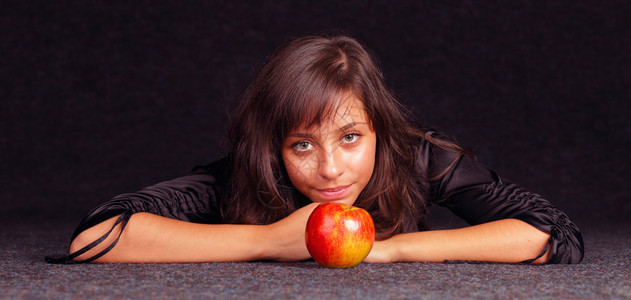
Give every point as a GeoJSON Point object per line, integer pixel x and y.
{"type": "Point", "coordinates": [469, 189]}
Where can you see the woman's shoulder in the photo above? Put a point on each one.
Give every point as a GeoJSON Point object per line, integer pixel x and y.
{"type": "Point", "coordinates": [435, 152]}
{"type": "Point", "coordinates": [220, 170]}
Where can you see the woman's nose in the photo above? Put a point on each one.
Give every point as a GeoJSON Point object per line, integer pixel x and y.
{"type": "Point", "coordinates": [331, 164]}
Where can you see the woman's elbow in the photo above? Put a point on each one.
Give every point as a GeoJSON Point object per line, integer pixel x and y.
{"type": "Point", "coordinates": [566, 248]}
{"type": "Point", "coordinates": [91, 235]}
{"type": "Point", "coordinates": [571, 250]}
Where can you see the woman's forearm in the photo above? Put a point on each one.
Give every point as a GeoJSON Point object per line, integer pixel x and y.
{"type": "Point", "coordinates": [507, 240]}
{"type": "Point", "coordinates": [152, 238]}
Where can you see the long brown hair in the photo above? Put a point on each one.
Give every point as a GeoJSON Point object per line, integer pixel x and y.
{"type": "Point", "coordinates": [300, 85]}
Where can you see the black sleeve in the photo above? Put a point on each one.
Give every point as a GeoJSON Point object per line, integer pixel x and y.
{"type": "Point", "coordinates": [194, 198]}
{"type": "Point", "coordinates": [478, 195]}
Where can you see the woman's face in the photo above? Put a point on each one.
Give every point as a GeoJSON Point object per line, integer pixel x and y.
{"type": "Point", "coordinates": [334, 161]}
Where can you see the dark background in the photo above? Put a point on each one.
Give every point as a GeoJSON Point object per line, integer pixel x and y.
{"type": "Point", "coordinates": [100, 98]}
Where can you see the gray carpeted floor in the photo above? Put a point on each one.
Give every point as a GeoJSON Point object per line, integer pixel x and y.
{"type": "Point", "coordinates": [604, 273]}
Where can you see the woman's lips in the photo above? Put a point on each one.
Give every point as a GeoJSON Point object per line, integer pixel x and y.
{"type": "Point", "coordinates": [334, 193]}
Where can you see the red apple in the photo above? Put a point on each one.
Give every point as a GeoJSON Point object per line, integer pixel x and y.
{"type": "Point", "coordinates": [339, 235]}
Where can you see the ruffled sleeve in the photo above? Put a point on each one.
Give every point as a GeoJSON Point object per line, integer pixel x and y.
{"type": "Point", "coordinates": [195, 197]}
{"type": "Point", "coordinates": [478, 195]}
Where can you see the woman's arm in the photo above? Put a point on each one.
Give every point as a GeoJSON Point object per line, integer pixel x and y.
{"type": "Point", "coordinates": [152, 238]}
{"type": "Point", "coordinates": [508, 240]}
{"type": "Point", "coordinates": [479, 196]}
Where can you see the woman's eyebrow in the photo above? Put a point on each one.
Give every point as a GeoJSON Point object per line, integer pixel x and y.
{"type": "Point", "coordinates": [349, 126]}
{"type": "Point", "coordinates": [300, 135]}
{"type": "Point", "coordinates": [339, 129]}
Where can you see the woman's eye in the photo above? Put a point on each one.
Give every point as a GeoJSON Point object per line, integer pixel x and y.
{"type": "Point", "coordinates": [302, 146]}
{"type": "Point", "coordinates": [349, 138]}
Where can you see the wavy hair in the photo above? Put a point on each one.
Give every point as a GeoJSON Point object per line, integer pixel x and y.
{"type": "Point", "coordinates": [300, 85]}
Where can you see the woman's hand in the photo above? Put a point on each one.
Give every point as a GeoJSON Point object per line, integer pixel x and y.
{"type": "Point", "coordinates": [381, 252]}
{"type": "Point", "coordinates": [287, 236]}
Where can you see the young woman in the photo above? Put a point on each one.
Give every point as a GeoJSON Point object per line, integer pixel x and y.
{"type": "Point", "coordinates": [319, 125]}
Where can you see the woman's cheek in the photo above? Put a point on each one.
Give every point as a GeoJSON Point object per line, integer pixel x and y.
{"type": "Point", "coordinates": [364, 162]}
{"type": "Point", "coordinates": [301, 168]}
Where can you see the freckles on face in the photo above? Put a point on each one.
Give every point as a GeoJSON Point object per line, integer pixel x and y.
{"type": "Point", "coordinates": [332, 162]}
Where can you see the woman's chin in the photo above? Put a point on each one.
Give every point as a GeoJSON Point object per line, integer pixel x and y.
{"type": "Point", "coordinates": [347, 201]}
